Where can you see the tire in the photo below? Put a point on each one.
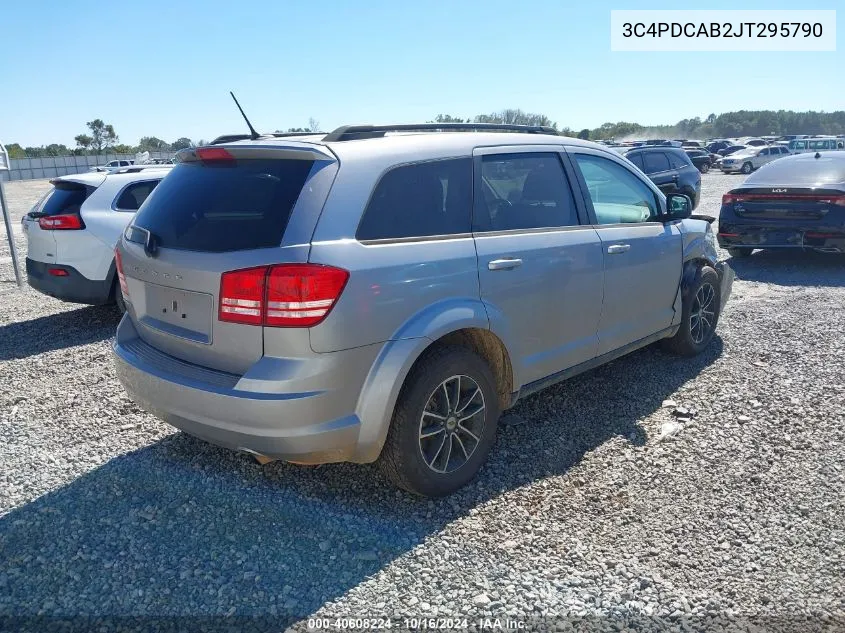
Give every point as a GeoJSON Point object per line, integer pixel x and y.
{"type": "Point", "coordinates": [747, 168]}
{"type": "Point", "coordinates": [704, 168]}
{"type": "Point", "coordinates": [739, 252]}
{"type": "Point", "coordinates": [408, 459]}
{"type": "Point", "coordinates": [687, 341]}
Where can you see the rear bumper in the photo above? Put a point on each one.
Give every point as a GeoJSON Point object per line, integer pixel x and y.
{"type": "Point", "coordinates": [73, 287]}
{"type": "Point", "coordinates": [275, 410]}
{"type": "Point", "coordinates": [772, 236]}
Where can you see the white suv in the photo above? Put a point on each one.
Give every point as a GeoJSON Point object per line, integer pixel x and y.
{"type": "Point", "coordinates": [71, 232]}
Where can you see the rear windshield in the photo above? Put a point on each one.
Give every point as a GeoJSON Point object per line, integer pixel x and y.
{"type": "Point", "coordinates": [810, 171]}
{"type": "Point", "coordinates": [66, 197]}
{"type": "Point", "coordinates": [224, 206]}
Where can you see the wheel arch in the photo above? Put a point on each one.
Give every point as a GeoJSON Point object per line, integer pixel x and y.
{"type": "Point", "coordinates": [396, 361]}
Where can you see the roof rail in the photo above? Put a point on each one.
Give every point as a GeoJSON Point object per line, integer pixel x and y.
{"type": "Point", "coordinates": [231, 138]}
{"type": "Point", "coordinates": [354, 132]}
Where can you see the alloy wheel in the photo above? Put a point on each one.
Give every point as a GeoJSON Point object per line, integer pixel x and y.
{"type": "Point", "coordinates": [703, 313]}
{"type": "Point", "coordinates": [452, 424]}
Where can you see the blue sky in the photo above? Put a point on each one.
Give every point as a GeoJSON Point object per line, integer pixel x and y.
{"type": "Point", "coordinates": [164, 68]}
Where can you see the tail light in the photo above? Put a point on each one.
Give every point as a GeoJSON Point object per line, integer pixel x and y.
{"type": "Point", "coordinates": [242, 296]}
{"type": "Point", "coordinates": [286, 295]}
{"type": "Point", "coordinates": [732, 198]}
{"type": "Point", "coordinates": [64, 222]}
{"type": "Point", "coordinates": [58, 272]}
{"type": "Point", "coordinates": [121, 278]}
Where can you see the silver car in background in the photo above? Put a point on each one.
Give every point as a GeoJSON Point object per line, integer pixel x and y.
{"type": "Point", "coordinates": [751, 158]}
{"type": "Point", "coordinates": [383, 293]}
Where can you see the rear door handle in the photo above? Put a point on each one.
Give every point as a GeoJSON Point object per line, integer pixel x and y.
{"type": "Point", "coordinates": [504, 264]}
{"type": "Point", "coordinates": [618, 248]}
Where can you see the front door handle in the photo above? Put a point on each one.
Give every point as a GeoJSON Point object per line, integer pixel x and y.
{"type": "Point", "coordinates": [504, 264]}
{"type": "Point", "coordinates": [618, 248]}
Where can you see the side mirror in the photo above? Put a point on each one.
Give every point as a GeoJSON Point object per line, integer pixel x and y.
{"type": "Point", "coordinates": [678, 206]}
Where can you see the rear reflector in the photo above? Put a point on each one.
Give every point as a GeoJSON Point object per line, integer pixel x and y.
{"type": "Point", "coordinates": [58, 272]}
{"type": "Point", "coordinates": [287, 295]}
{"type": "Point", "coordinates": [207, 154]}
{"type": "Point", "coordinates": [64, 222]}
{"type": "Point", "coordinates": [118, 264]}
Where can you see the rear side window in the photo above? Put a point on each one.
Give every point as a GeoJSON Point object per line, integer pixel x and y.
{"type": "Point", "coordinates": [677, 161]}
{"type": "Point", "coordinates": [637, 159]}
{"type": "Point", "coordinates": [133, 196]}
{"type": "Point", "coordinates": [66, 197]}
{"type": "Point", "coordinates": [524, 191]}
{"type": "Point", "coordinates": [224, 206]}
{"type": "Point", "coordinates": [420, 200]}
{"type": "Point", "coordinates": [655, 162]}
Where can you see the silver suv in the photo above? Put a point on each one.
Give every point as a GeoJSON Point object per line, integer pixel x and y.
{"type": "Point", "coordinates": [384, 293]}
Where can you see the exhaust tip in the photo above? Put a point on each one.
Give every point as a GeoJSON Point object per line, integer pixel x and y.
{"type": "Point", "coordinates": [260, 458]}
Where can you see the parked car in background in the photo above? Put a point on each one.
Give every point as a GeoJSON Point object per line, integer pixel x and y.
{"type": "Point", "coordinates": [800, 146]}
{"type": "Point", "coordinates": [795, 202]}
{"type": "Point", "coordinates": [72, 231]}
{"type": "Point", "coordinates": [669, 168]}
{"type": "Point", "coordinates": [751, 158]}
{"type": "Point", "coordinates": [113, 165]}
{"type": "Point", "coordinates": [701, 159]}
{"type": "Point", "coordinates": [730, 149]}
{"type": "Point", "coordinates": [347, 298]}
{"type": "Point", "coordinates": [755, 142]}
{"type": "Point", "coordinates": [714, 146]}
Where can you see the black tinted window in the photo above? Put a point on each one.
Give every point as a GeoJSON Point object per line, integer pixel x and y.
{"type": "Point", "coordinates": [133, 196]}
{"type": "Point", "coordinates": [655, 161]}
{"type": "Point", "coordinates": [637, 159]}
{"type": "Point", "coordinates": [67, 197]}
{"type": "Point", "coordinates": [420, 200]}
{"type": "Point", "coordinates": [224, 206]}
{"type": "Point", "coordinates": [524, 191]}
{"type": "Point", "coordinates": [676, 161]}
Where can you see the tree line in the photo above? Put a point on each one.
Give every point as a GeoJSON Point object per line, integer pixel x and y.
{"type": "Point", "coordinates": [101, 137]}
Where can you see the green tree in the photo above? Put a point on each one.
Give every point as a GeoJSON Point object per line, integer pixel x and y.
{"type": "Point", "coordinates": [448, 118]}
{"type": "Point", "coordinates": [515, 116]}
{"type": "Point", "coordinates": [152, 144]}
{"type": "Point", "coordinates": [122, 148]}
{"type": "Point", "coordinates": [181, 143]}
{"type": "Point", "coordinates": [15, 151]}
{"type": "Point", "coordinates": [83, 141]}
{"type": "Point", "coordinates": [102, 136]}
{"type": "Point", "coordinates": [584, 134]}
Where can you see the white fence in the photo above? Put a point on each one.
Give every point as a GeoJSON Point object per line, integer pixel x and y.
{"type": "Point", "coordinates": [52, 166]}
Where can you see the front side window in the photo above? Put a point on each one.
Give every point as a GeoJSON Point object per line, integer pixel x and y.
{"type": "Point", "coordinates": [133, 196]}
{"type": "Point", "coordinates": [617, 194]}
{"type": "Point", "coordinates": [523, 191]}
{"type": "Point", "coordinates": [655, 162]}
{"type": "Point", "coordinates": [420, 200]}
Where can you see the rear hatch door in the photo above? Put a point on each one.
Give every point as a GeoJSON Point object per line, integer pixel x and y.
{"type": "Point", "coordinates": [223, 208]}
{"type": "Point", "coordinates": [64, 199]}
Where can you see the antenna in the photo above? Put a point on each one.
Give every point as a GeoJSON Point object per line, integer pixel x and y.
{"type": "Point", "coordinates": [254, 134]}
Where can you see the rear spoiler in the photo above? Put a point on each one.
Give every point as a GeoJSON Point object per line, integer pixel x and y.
{"type": "Point", "coordinates": [277, 150]}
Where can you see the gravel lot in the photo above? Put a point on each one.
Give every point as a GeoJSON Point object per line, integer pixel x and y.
{"type": "Point", "coordinates": [654, 491]}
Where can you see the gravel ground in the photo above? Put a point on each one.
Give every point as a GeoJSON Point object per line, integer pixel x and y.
{"type": "Point", "coordinates": [653, 492]}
